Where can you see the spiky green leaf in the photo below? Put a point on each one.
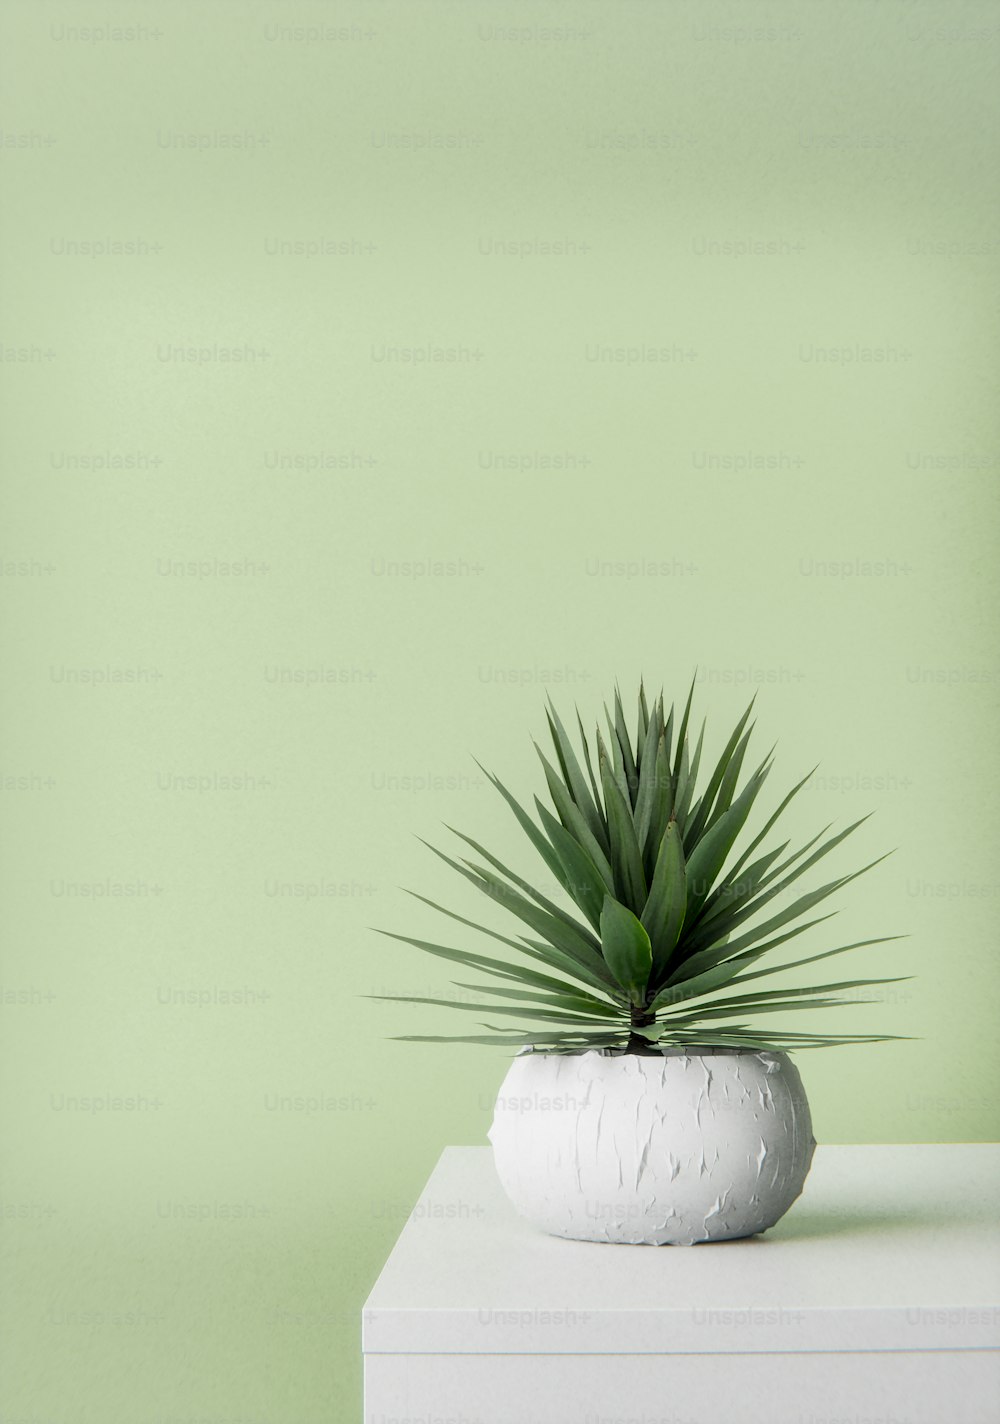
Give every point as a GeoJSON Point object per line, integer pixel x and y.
{"type": "Point", "coordinates": [572, 774]}
{"type": "Point", "coordinates": [595, 791]}
{"type": "Point", "coordinates": [585, 882]}
{"type": "Point", "coordinates": [624, 742]}
{"type": "Point", "coordinates": [539, 1011]}
{"type": "Point", "coordinates": [771, 821]}
{"type": "Point", "coordinates": [626, 858]}
{"type": "Point", "coordinates": [538, 840]}
{"type": "Point", "coordinates": [626, 948]}
{"type": "Point", "coordinates": [736, 890]}
{"type": "Point", "coordinates": [697, 964]}
{"type": "Point", "coordinates": [661, 799]}
{"type": "Point", "coordinates": [613, 759]}
{"type": "Point", "coordinates": [693, 832]}
{"type": "Point", "coordinates": [750, 956]}
{"type": "Point", "coordinates": [518, 973]}
{"type": "Point", "coordinates": [643, 725]}
{"type": "Point", "coordinates": [544, 915]}
{"type": "Point", "coordinates": [708, 856]}
{"type": "Point", "coordinates": [666, 905]}
{"type": "Point", "coordinates": [682, 730]}
{"type": "Point", "coordinates": [577, 1003]}
{"type": "Point", "coordinates": [647, 764]}
{"type": "Point", "coordinates": [687, 779]}
{"type": "Point", "coordinates": [569, 812]}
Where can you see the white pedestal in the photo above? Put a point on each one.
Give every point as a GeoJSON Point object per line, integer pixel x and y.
{"type": "Point", "coordinates": [875, 1300]}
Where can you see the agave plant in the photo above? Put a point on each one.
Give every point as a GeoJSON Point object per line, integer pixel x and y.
{"type": "Point", "coordinates": [663, 922]}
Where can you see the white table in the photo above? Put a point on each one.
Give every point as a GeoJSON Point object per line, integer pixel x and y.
{"type": "Point", "coordinates": [875, 1300]}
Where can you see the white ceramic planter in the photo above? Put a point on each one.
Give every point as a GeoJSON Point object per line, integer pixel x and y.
{"type": "Point", "coordinates": [689, 1145]}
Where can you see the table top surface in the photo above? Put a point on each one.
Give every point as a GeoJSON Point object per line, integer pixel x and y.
{"type": "Point", "coordinates": [888, 1247]}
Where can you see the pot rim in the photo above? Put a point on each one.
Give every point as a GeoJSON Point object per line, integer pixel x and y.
{"type": "Point", "coordinates": [674, 1051]}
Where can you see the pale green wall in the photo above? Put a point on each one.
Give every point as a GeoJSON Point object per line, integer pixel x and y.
{"type": "Point", "coordinates": [860, 140]}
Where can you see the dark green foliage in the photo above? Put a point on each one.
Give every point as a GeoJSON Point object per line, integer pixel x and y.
{"type": "Point", "coordinates": [663, 925]}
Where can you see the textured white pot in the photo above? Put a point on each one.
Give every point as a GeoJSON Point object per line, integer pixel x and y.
{"type": "Point", "coordinates": [690, 1145]}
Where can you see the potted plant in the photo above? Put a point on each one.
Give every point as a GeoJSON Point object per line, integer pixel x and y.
{"type": "Point", "coordinates": [644, 1105]}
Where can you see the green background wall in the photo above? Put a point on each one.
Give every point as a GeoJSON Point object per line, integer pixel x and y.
{"type": "Point", "coordinates": [719, 283]}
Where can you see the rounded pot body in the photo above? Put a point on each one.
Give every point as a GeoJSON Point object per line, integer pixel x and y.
{"type": "Point", "coordinates": [689, 1145]}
